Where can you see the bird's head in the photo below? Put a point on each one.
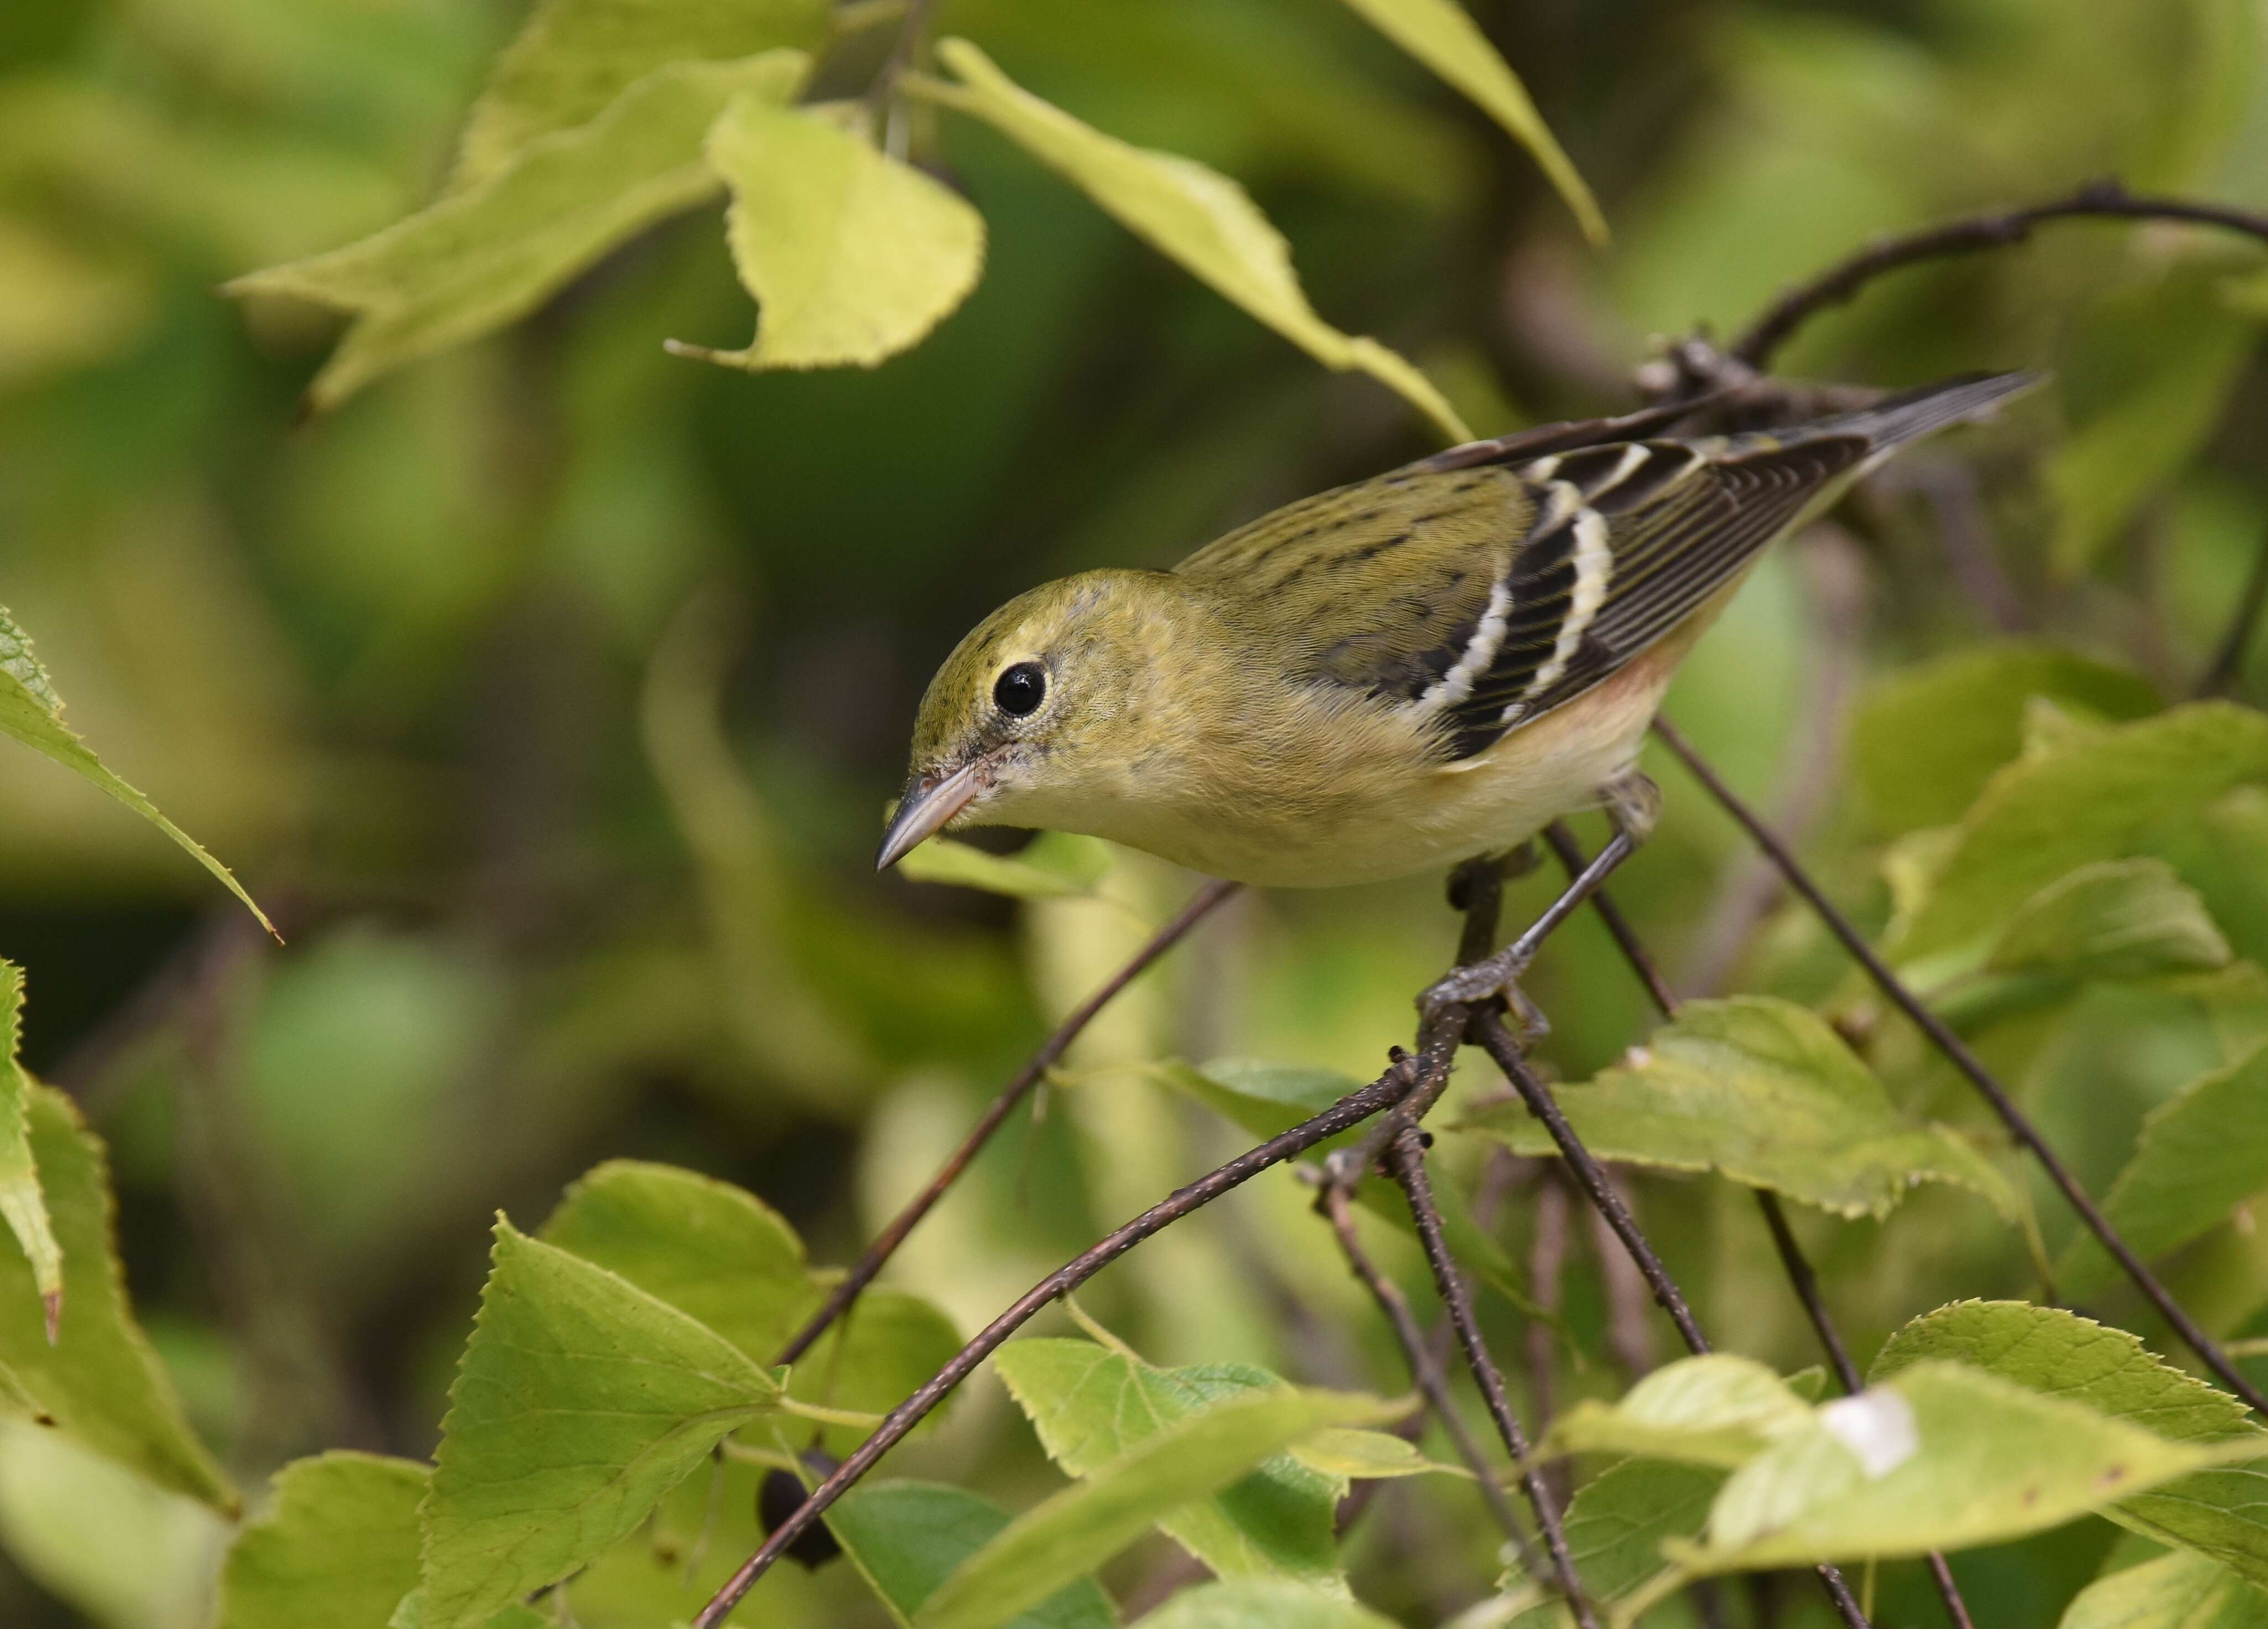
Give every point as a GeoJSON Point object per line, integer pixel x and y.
{"type": "Point", "coordinates": [1026, 722]}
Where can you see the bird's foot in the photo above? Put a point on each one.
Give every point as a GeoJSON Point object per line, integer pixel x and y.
{"type": "Point", "coordinates": [1495, 979]}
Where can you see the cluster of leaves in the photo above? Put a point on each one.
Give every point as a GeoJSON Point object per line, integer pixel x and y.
{"type": "Point", "coordinates": [603, 117]}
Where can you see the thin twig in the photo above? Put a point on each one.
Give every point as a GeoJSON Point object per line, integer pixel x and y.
{"type": "Point", "coordinates": [1406, 1163]}
{"type": "Point", "coordinates": [2229, 658]}
{"type": "Point", "coordinates": [1957, 1051]}
{"type": "Point", "coordinates": [877, 1254]}
{"type": "Point", "coordinates": [2101, 199]}
{"type": "Point", "coordinates": [1488, 1027]}
{"type": "Point", "coordinates": [1335, 1203]}
{"type": "Point", "coordinates": [901, 57]}
{"type": "Point", "coordinates": [1497, 1041]}
{"type": "Point", "coordinates": [1405, 1076]}
{"type": "Point", "coordinates": [1800, 1275]}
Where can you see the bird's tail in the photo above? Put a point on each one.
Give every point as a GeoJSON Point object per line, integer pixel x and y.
{"type": "Point", "coordinates": [1910, 415]}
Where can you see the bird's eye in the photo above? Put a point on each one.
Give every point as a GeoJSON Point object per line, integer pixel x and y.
{"type": "Point", "coordinates": [1021, 688]}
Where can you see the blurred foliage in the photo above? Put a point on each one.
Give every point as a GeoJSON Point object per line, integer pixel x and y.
{"type": "Point", "coordinates": [546, 688]}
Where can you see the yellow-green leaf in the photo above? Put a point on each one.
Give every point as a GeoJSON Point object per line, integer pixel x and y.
{"type": "Point", "coordinates": [21, 1203]}
{"type": "Point", "coordinates": [1442, 34]}
{"type": "Point", "coordinates": [1058, 865]}
{"type": "Point", "coordinates": [1764, 1092]}
{"type": "Point", "coordinates": [495, 250]}
{"type": "Point", "coordinates": [852, 256]}
{"type": "Point", "coordinates": [2183, 1590]}
{"type": "Point", "coordinates": [1070, 1533]}
{"type": "Point", "coordinates": [99, 1382]}
{"type": "Point", "coordinates": [573, 57]}
{"type": "Point", "coordinates": [32, 712]}
{"type": "Point", "coordinates": [1195, 216]}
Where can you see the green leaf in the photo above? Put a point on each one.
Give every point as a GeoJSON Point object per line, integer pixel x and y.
{"type": "Point", "coordinates": [99, 1381]}
{"type": "Point", "coordinates": [32, 712]}
{"type": "Point", "coordinates": [723, 1258]}
{"type": "Point", "coordinates": [1258, 1603]}
{"type": "Point", "coordinates": [2183, 1590]}
{"type": "Point", "coordinates": [2155, 366]}
{"type": "Point", "coordinates": [579, 1402]}
{"type": "Point", "coordinates": [2045, 815]}
{"type": "Point", "coordinates": [1618, 1524]}
{"type": "Point", "coordinates": [1056, 866]}
{"type": "Point", "coordinates": [338, 1545]}
{"type": "Point", "coordinates": [2223, 1511]}
{"type": "Point", "coordinates": [1441, 34]}
{"type": "Point", "coordinates": [1091, 1405]}
{"type": "Point", "coordinates": [852, 255]}
{"type": "Point", "coordinates": [2120, 918]}
{"type": "Point", "coordinates": [713, 1252]}
{"type": "Point", "coordinates": [907, 1537]}
{"type": "Point", "coordinates": [495, 250]}
{"type": "Point", "coordinates": [1925, 739]}
{"type": "Point", "coordinates": [101, 1538]}
{"type": "Point", "coordinates": [573, 58]}
{"type": "Point", "coordinates": [1717, 1410]}
{"type": "Point", "coordinates": [1941, 1456]}
{"type": "Point", "coordinates": [1193, 214]}
{"type": "Point", "coordinates": [1368, 1455]}
{"type": "Point", "coordinates": [1076, 1530]}
{"type": "Point", "coordinates": [1764, 1092]}
{"type": "Point", "coordinates": [2201, 1152]}
{"type": "Point", "coordinates": [20, 1200]}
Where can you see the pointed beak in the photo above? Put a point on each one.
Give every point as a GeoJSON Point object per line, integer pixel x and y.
{"type": "Point", "coordinates": [930, 802]}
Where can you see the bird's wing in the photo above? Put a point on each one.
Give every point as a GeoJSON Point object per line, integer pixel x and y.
{"type": "Point", "coordinates": [1375, 587]}
{"type": "Point", "coordinates": [1627, 541]}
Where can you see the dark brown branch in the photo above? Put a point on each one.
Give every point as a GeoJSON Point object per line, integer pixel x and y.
{"type": "Point", "coordinates": [1336, 1204]}
{"type": "Point", "coordinates": [1488, 1027]}
{"type": "Point", "coordinates": [877, 1254]}
{"type": "Point", "coordinates": [1406, 1076]}
{"type": "Point", "coordinates": [2228, 659]}
{"type": "Point", "coordinates": [1497, 1041]}
{"type": "Point", "coordinates": [2101, 199]}
{"type": "Point", "coordinates": [1957, 1051]}
{"type": "Point", "coordinates": [1405, 1162]}
{"type": "Point", "coordinates": [1800, 1275]}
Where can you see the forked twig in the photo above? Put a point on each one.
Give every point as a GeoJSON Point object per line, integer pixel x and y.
{"type": "Point", "coordinates": [1405, 1076]}
{"type": "Point", "coordinates": [877, 1254]}
{"type": "Point", "coordinates": [1489, 1028]}
{"type": "Point", "coordinates": [1405, 1162]}
{"type": "Point", "coordinates": [1957, 1052]}
{"type": "Point", "coordinates": [1336, 1204]}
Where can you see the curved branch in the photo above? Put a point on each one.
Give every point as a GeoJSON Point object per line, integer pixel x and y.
{"type": "Point", "coordinates": [2104, 199]}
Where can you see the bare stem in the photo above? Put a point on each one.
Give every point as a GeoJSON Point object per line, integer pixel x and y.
{"type": "Point", "coordinates": [877, 1254]}
{"type": "Point", "coordinates": [1425, 1370]}
{"type": "Point", "coordinates": [1405, 1076]}
{"type": "Point", "coordinates": [2100, 199]}
{"type": "Point", "coordinates": [1488, 1027]}
{"type": "Point", "coordinates": [1957, 1051]}
{"type": "Point", "coordinates": [1405, 1160]}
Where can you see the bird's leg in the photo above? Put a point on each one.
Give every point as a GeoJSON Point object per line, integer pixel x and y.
{"type": "Point", "coordinates": [1632, 803]}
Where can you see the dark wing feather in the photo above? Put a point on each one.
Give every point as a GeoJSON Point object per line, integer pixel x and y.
{"type": "Point", "coordinates": [1678, 527]}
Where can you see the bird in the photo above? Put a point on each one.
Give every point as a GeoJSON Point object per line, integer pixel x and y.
{"type": "Point", "coordinates": [1401, 674]}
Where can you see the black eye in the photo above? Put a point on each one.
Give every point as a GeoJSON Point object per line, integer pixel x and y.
{"type": "Point", "coordinates": [1021, 688]}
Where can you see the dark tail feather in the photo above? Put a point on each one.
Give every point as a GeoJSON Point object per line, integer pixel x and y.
{"type": "Point", "coordinates": [1912, 414]}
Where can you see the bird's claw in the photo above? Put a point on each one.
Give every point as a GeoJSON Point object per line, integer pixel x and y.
{"type": "Point", "coordinates": [1494, 979]}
